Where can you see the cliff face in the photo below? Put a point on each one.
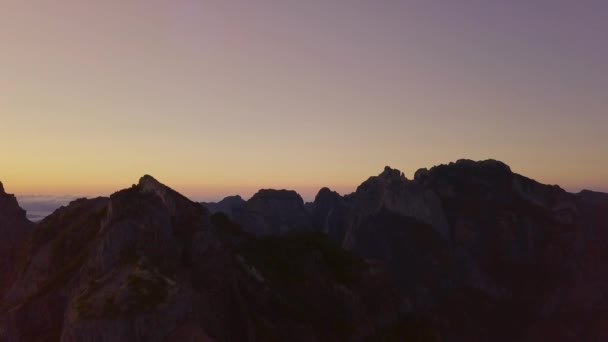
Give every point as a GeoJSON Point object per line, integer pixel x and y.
{"type": "Point", "coordinates": [468, 251]}
{"type": "Point", "coordinates": [14, 229]}
{"type": "Point", "coordinates": [14, 225]}
{"type": "Point", "coordinates": [483, 251]}
{"type": "Point", "coordinates": [477, 249]}
{"type": "Point", "coordinates": [393, 192]}
{"type": "Point", "coordinates": [231, 205]}
{"type": "Point", "coordinates": [330, 213]}
{"type": "Point", "coordinates": [147, 264]}
{"type": "Point", "coordinates": [268, 212]}
{"type": "Point", "coordinates": [513, 242]}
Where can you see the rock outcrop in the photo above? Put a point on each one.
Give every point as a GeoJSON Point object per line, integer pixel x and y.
{"type": "Point", "coordinates": [231, 205]}
{"type": "Point", "coordinates": [391, 191]}
{"type": "Point", "coordinates": [330, 213]}
{"type": "Point", "coordinates": [147, 264]}
{"type": "Point", "coordinates": [468, 251]}
{"type": "Point", "coordinates": [14, 229]}
{"type": "Point", "coordinates": [473, 239]}
{"type": "Point", "coordinates": [268, 212]}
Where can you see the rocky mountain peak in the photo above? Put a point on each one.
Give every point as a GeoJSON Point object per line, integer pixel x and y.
{"type": "Point", "coordinates": [326, 193]}
{"type": "Point", "coordinates": [147, 181]}
{"type": "Point", "coordinates": [170, 197]}
{"type": "Point", "coordinates": [9, 206]}
{"type": "Point", "coordinates": [229, 205]}
{"type": "Point", "coordinates": [487, 165]}
{"type": "Point", "coordinates": [327, 200]}
{"type": "Point", "coordinates": [272, 194]}
{"type": "Point", "coordinates": [14, 229]}
{"type": "Point", "coordinates": [593, 195]}
{"type": "Point", "coordinates": [147, 264]}
{"type": "Point", "coordinates": [330, 212]}
{"type": "Point", "coordinates": [491, 173]}
{"type": "Point", "coordinates": [421, 174]}
{"type": "Point", "coordinates": [393, 192]}
{"type": "Point", "coordinates": [476, 248]}
{"type": "Point", "coordinates": [272, 211]}
{"type": "Point", "coordinates": [390, 174]}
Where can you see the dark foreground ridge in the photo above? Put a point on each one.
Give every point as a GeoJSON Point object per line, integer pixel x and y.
{"type": "Point", "coordinates": [468, 251]}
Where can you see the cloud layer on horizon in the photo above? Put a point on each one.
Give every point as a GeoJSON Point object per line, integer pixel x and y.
{"type": "Point", "coordinates": [40, 206]}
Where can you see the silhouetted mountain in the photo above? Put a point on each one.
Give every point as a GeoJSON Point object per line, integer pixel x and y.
{"type": "Point", "coordinates": [231, 205]}
{"type": "Point", "coordinates": [485, 253]}
{"type": "Point", "coordinates": [14, 229]}
{"type": "Point", "coordinates": [147, 264]}
{"type": "Point", "coordinates": [268, 212]}
{"type": "Point", "coordinates": [329, 212]}
{"type": "Point", "coordinates": [468, 251]}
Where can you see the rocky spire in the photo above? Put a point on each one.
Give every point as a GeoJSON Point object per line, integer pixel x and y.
{"type": "Point", "coordinates": [147, 181]}
{"type": "Point", "coordinates": [170, 197]}
{"type": "Point", "coordinates": [390, 173]}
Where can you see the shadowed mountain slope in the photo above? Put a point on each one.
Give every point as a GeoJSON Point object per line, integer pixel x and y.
{"type": "Point", "coordinates": [147, 264]}
{"type": "Point", "coordinates": [481, 252]}
{"type": "Point", "coordinates": [467, 251]}
{"type": "Point", "coordinates": [268, 212]}
{"type": "Point", "coordinates": [14, 229]}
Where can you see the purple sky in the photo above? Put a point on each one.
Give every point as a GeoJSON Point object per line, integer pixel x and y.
{"type": "Point", "coordinates": [223, 97]}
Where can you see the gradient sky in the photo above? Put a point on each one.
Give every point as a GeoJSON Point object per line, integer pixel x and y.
{"type": "Point", "coordinates": [222, 97]}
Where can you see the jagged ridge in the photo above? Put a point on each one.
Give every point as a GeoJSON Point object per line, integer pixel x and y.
{"type": "Point", "coordinates": [475, 252]}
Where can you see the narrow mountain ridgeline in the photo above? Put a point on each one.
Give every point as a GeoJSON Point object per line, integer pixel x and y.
{"type": "Point", "coordinates": [467, 251]}
{"type": "Point", "coordinates": [480, 252]}
{"type": "Point", "coordinates": [147, 264]}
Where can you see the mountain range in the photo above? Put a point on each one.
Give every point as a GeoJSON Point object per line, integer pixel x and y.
{"type": "Point", "coordinates": [467, 251]}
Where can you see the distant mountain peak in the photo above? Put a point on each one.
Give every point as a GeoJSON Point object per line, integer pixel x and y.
{"type": "Point", "coordinates": [488, 163]}
{"type": "Point", "coordinates": [466, 239]}
{"type": "Point", "coordinates": [228, 205]}
{"type": "Point", "coordinates": [390, 173]}
{"type": "Point", "coordinates": [324, 192]}
{"type": "Point", "coordinates": [147, 180]}
{"type": "Point", "coordinates": [14, 228]}
{"type": "Point", "coordinates": [274, 194]}
{"type": "Point", "coordinates": [171, 198]}
{"type": "Point", "coordinates": [9, 204]}
{"type": "Point", "coordinates": [149, 184]}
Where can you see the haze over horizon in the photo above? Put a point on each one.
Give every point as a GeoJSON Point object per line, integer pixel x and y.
{"type": "Point", "coordinates": [39, 206]}
{"type": "Point", "coordinates": [218, 98]}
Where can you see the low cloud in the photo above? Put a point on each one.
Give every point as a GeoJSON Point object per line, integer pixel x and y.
{"type": "Point", "coordinates": [41, 206]}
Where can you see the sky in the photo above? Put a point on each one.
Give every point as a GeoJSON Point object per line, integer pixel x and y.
{"type": "Point", "coordinates": [222, 97]}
